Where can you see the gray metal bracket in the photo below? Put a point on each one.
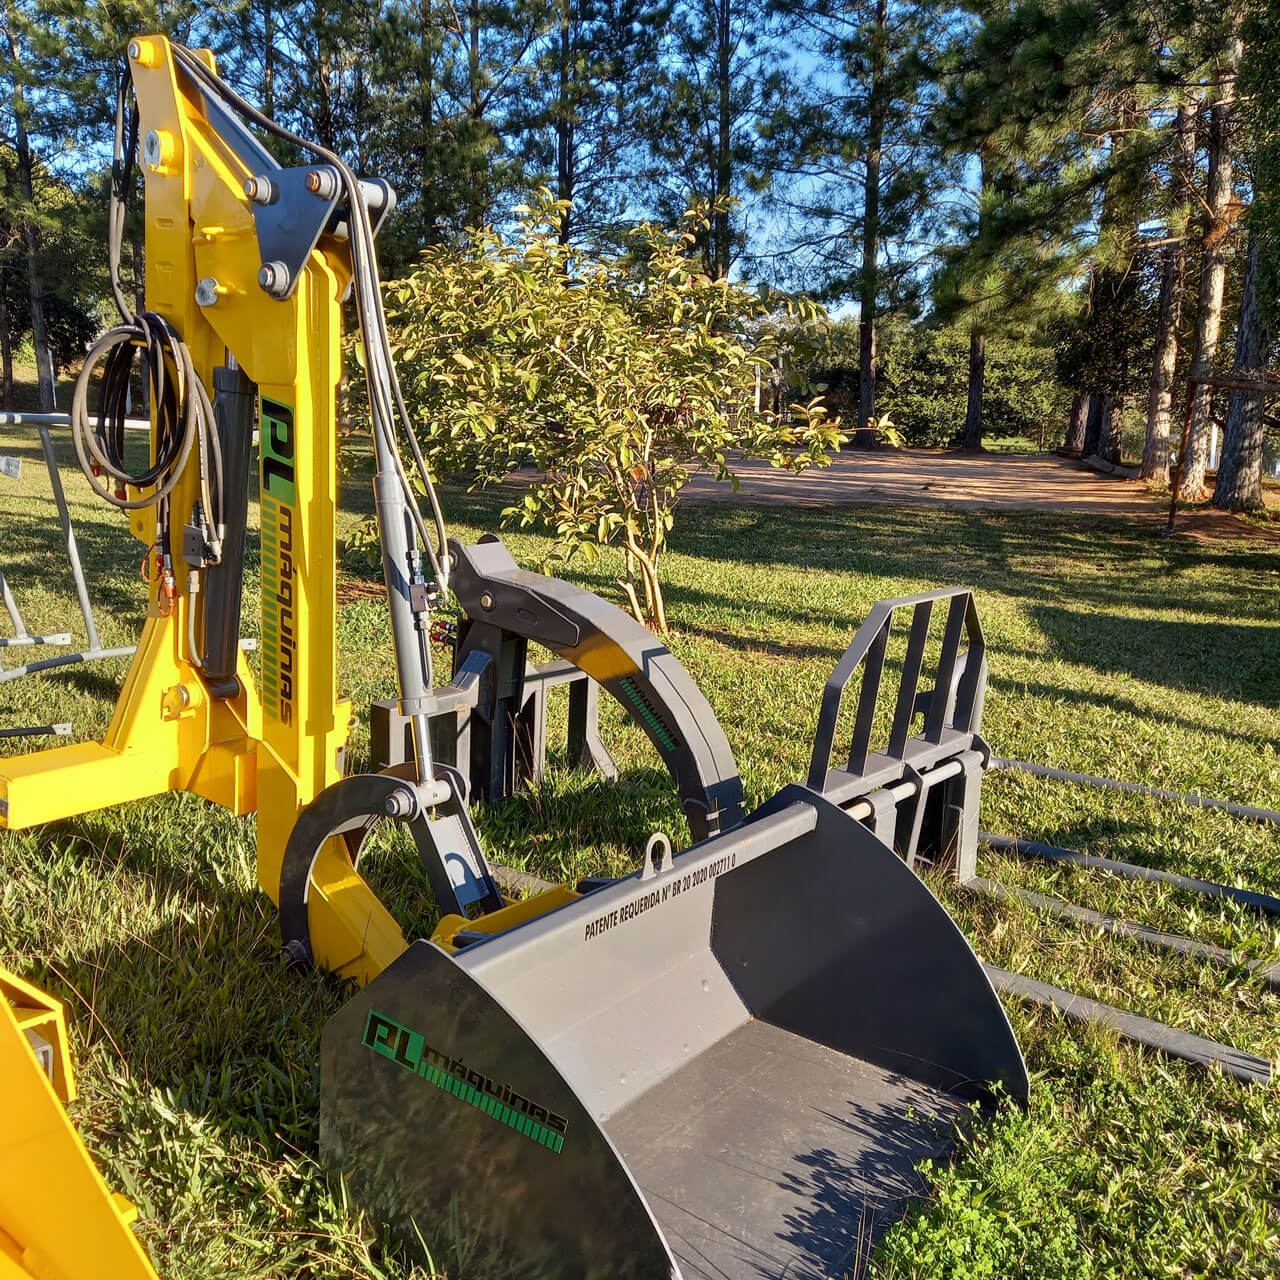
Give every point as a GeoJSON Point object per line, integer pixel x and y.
{"type": "Point", "coordinates": [451, 853]}
{"type": "Point", "coordinates": [620, 655]}
{"type": "Point", "coordinates": [293, 208]}
{"type": "Point", "coordinates": [289, 221]}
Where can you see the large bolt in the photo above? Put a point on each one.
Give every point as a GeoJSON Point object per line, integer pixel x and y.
{"type": "Point", "coordinates": [274, 278]}
{"type": "Point", "coordinates": [144, 52]}
{"type": "Point", "coordinates": [486, 600]}
{"type": "Point", "coordinates": [159, 149]}
{"type": "Point", "coordinates": [261, 190]}
{"type": "Point", "coordinates": [322, 183]}
{"type": "Point", "coordinates": [399, 804]}
{"type": "Point", "coordinates": [207, 292]}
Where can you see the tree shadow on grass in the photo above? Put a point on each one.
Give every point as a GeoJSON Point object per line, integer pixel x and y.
{"type": "Point", "coordinates": [1234, 660]}
{"type": "Point", "coordinates": [1085, 697]}
{"type": "Point", "coordinates": [1018, 554]}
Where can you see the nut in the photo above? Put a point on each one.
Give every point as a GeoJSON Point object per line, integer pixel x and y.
{"type": "Point", "coordinates": [261, 190]}
{"type": "Point", "coordinates": [274, 278]}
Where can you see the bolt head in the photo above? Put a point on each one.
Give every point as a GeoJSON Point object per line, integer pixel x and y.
{"type": "Point", "coordinates": [486, 600]}
{"type": "Point", "coordinates": [260, 190]}
{"type": "Point", "coordinates": [274, 278]}
{"type": "Point", "coordinates": [135, 49]}
{"type": "Point", "coordinates": [207, 292]}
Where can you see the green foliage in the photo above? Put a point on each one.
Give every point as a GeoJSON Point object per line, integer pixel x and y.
{"type": "Point", "coordinates": [1007, 1214]}
{"type": "Point", "coordinates": [612, 377]}
{"type": "Point", "coordinates": [1260, 90]}
{"type": "Point", "coordinates": [924, 383]}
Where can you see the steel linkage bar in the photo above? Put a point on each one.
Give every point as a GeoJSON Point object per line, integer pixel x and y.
{"type": "Point", "coordinates": [1245, 1067]}
{"type": "Point", "coordinates": [1159, 939]}
{"type": "Point", "coordinates": [1246, 811]}
{"type": "Point", "coordinates": [1208, 888]}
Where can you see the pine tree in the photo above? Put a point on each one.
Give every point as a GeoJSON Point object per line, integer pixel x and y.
{"type": "Point", "coordinates": [1059, 100]}
{"type": "Point", "coordinates": [855, 169]}
{"type": "Point", "coordinates": [577, 129]}
{"type": "Point", "coordinates": [1173, 270]}
{"type": "Point", "coordinates": [1221, 212]}
{"type": "Point", "coordinates": [714, 82]}
{"type": "Point", "coordinates": [24, 42]}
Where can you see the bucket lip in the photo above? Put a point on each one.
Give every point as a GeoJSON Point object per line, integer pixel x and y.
{"type": "Point", "coordinates": [414, 950]}
{"type": "Point", "coordinates": [795, 818]}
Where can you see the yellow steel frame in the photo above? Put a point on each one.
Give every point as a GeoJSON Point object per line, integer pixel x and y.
{"type": "Point", "coordinates": [274, 752]}
{"type": "Point", "coordinates": [58, 1219]}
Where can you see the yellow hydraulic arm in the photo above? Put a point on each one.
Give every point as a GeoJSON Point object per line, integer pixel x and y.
{"type": "Point", "coordinates": [272, 748]}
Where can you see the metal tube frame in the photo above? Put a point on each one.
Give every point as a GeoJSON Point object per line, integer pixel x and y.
{"type": "Point", "coordinates": [95, 651]}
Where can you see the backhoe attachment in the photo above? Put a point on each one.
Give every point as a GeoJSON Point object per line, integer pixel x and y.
{"type": "Point", "coordinates": [725, 1064]}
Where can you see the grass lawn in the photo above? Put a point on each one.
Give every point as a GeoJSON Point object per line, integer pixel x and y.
{"type": "Point", "coordinates": [1110, 652]}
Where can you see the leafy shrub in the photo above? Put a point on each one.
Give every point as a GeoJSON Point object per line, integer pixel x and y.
{"type": "Point", "coordinates": [614, 378]}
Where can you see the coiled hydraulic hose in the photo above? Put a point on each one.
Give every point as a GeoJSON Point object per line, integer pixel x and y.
{"type": "Point", "coordinates": [183, 411]}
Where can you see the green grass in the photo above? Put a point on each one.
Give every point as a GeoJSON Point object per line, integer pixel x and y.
{"type": "Point", "coordinates": [1111, 651]}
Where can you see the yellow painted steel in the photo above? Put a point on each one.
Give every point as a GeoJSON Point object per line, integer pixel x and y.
{"type": "Point", "coordinates": [272, 749]}
{"type": "Point", "coordinates": [58, 1219]}
{"type": "Point", "coordinates": [506, 917]}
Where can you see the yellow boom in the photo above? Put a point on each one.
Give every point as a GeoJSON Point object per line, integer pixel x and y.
{"type": "Point", "coordinates": [271, 749]}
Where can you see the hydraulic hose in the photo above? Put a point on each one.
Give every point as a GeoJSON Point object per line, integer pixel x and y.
{"type": "Point", "coordinates": [183, 412]}
{"type": "Point", "coordinates": [387, 406]}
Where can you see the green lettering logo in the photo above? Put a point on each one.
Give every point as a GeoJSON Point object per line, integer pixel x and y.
{"type": "Point", "coordinates": [279, 447]}
{"type": "Point", "coordinates": [408, 1049]}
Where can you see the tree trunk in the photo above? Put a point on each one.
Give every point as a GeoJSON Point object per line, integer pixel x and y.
{"type": "Point", "coordinates": [7, 402]}
{"type": "Point", "coordinates": [724, 154]}
{"type": "Point", "coordinates": [1173, 272]}
{"type": "Point", "coordinates": [268, 62]}
{"type": "Point", "coordinates": [1112, 429]}
{"type": "Point", "coordinates": [1213, 271]}
{"type": "Point", "coordinates": [869, 275]}
{"type": "Point", "coordinates": [427, 123]}
{"type": "Point", "coordinates": [977, 381]}
{"type": "Point", "coordinates": [1076, 423]}
{"type": "Point", "coordinates": [564, 123]}
{"type": "Point", "coordinates": [30, 236]}
{"type": "Point", "coordinates": [475, 109]}
{"type": "Point", "coordinates": [1239, 486]}
{"type": "Point", "coordinates": [1099, 410]}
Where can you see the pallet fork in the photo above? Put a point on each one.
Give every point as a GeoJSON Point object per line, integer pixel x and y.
{"type": "Point", "coordinates": [709, 1067]}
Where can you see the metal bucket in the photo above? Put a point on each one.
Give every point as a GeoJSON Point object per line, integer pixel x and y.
{"type": "Point", "coordinates": [727, 1065]}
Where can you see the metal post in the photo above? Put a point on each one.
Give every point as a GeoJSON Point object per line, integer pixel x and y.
{"type": "Point", "coordinates": [400, 569]}
{"type": "Point", "coordinates": [68, 534]}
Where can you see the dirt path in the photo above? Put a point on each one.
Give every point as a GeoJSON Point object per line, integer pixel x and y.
{"type": "Point", "coordinates": [966, 481]}
{"type": "Point", "coordinates": [935, 477]}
